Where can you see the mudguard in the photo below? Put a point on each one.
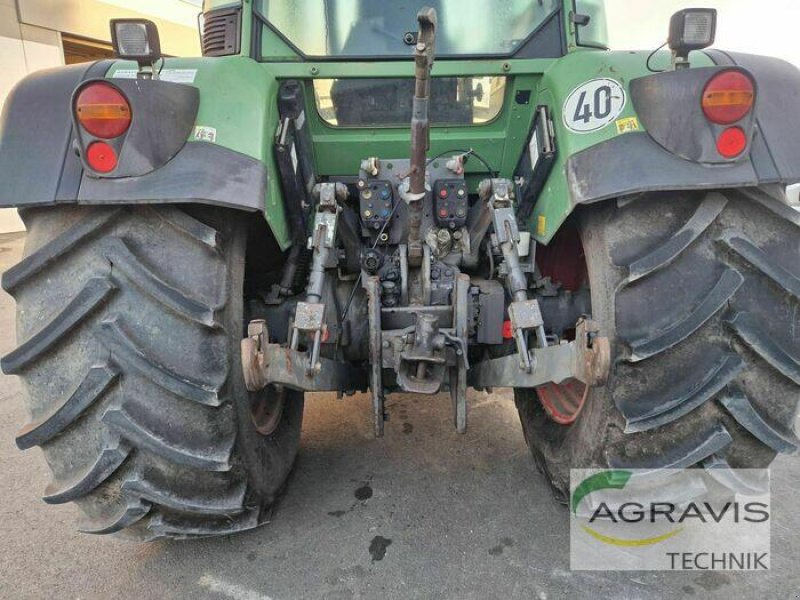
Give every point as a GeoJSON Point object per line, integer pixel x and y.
{"type": "Point", "coordinates": [660, 140]}
{"type": "Point", "coordinates": [36, 166]}
{"type": "Point", "coordinates": [40, 163]}
{"type": "Point", "coordinates": [680, 159]}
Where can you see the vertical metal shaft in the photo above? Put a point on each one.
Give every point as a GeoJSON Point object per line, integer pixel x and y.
{"type": "Point", "coordinates": [458, 379]}
{"type": "Point", "coordinates": [420, 124]}
{"type": "Point", "coordinates": [420, 131]}
{"type": "Point", "coordinates": [373, 287]}
{"type": "Point", "coordinates": [316, 278]}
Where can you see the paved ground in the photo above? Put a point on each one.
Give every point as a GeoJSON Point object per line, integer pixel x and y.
{"type": "Point", "coordinates": [449, 516]}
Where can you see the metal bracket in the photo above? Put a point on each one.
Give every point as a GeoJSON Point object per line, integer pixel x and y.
{"type": "Point", "coordinates": [525, 315]}
{"type": "Point", "coordinates": [278, 365]}
{"type": "Point", "coordinates": [505, 225]}
{"type": "Point", "coordinates": [329, 193]}
{"type": "Point", "coordinates": [309, 317]}
{"type": "Point", "coordinates": [587, 359]}
{"type": "Point", "coordinates": [329, 196]}
{"type": "Point", "coordinates": [593, 354]}
{"type": "Point", "coordinates": [253, 359]}
{"type": "Point", "coordinates": [325, 225]}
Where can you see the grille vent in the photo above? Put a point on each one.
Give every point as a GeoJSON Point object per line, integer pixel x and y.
{"type": "Point", "coordinates": [221, 32]}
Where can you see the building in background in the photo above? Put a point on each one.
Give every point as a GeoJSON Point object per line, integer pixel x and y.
{"type": "Point", "coordinates": [40, 34]}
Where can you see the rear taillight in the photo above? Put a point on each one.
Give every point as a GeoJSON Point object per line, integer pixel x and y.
{"type": "Point", "coordinates": [101, 157]}
{"type": "Point", "coordinates": [732, 142]}
{"type": "Point", "coordinates": [728, 98]}
{"type": "Point", "coordinates": [103, 111]}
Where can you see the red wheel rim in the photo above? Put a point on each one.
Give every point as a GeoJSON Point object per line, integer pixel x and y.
{"type": "Point", "coordinates": [564, 262]}
{"type": "Point", "coordinates": [266, 409]}
{"type": "Point", "coordinates": [563, 402]}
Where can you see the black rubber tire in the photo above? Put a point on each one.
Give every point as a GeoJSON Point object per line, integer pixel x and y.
{"type": "Point", "coordinates": [130, 322]}
{"type": "Point", "coordinates": [700, 296]}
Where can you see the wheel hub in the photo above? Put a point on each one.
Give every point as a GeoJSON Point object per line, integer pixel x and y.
{"type": "Point", "coordinates": [563, 402]}
{"type": "Point", "coordinates": [266, 409]}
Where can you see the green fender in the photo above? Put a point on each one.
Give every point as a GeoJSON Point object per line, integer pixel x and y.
{"type": "Point", "coordinates": [568, 73]}
{"type": "Point", "coordinates": [239, 111]}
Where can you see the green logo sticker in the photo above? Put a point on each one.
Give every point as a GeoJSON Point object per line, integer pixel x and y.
{"type": "Point", "coordinates": [611, 480]}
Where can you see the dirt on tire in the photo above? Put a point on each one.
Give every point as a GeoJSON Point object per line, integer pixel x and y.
{"type": "Point", "coordinates": [700, 296]}
{"type": "Point", "coordinates": [129, 322]}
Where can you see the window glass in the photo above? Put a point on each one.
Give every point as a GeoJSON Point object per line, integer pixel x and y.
{"type": "Point", "coordinates": [379, 27]}
{"type": "Point", "coordinates": [387, 102]}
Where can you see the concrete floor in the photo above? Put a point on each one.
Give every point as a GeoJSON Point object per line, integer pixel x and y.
{"type": "Point", "coordinates": [422, 513]}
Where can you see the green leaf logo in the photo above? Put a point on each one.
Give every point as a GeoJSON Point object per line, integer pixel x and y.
{"type": "Point", "coordinates": [605, 480]}
{"type": "Point", "coordinates": [612, 480]}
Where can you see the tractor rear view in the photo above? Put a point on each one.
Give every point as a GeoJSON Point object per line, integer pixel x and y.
{"type": "Point", "coordinates": [358, 197]}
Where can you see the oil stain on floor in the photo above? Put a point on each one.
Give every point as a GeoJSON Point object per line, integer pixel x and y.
{"type": "Point", "coordinates": [378, 546]}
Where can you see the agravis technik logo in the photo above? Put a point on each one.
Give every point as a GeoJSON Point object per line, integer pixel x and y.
{"type": "Point", "coordinates": [669, 520]}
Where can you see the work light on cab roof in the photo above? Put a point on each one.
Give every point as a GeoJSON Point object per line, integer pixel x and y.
{"type": "Point", "coordinates": [137, 39]}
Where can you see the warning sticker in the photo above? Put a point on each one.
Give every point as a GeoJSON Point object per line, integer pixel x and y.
{"type": "Point", "coordinates": [125, 74]}
{"type": "Point", "coordinates": [205, 134]}
{"type": "Point", "coordinates": [541, 225]}
{"type": "Point", "coordinates": [627, 125]}
{"type": "Point", "coordinates": [178, 75]}
{"type": "Point", "coordinates": [173, 75]}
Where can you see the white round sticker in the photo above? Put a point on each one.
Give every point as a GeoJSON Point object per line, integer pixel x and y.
{"type": "Point", "coordinates": [594, 105]}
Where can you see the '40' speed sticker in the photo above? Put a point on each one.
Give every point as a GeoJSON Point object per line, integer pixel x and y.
{"type": "Point", "coordinates": [594, 105]}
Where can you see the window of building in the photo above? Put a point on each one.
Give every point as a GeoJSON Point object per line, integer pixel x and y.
{"type": "Point", "coordinates": [79, 50]}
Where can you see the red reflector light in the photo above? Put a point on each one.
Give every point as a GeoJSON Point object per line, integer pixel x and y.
{"type": "Point", "coordinates": [103, 111]}
{"type": "Point", "coordinates": [101, 157]}
{"type": "Point", "coordinates": [732, 142]}
{"type": "Point", "coordinates": [729, 97]}
{"type": "Point", "coordinates": [508, 331]}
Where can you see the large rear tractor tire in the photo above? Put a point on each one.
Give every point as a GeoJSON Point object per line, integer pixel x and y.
{"type": "Point", "coordinates": [129, 322]}
{"type": "Point", "coordinates": [699, 294]}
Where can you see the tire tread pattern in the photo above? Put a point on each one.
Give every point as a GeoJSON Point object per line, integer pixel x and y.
{"type": "Point", "coordinates": [126, 475]}
{"type": "Point", "coordinates": [670, 407]}
{"type": "Point", "coordinates": [704, 376]}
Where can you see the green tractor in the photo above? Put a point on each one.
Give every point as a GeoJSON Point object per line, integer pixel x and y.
{"type": "Point", "coordinates": [368, 196]}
